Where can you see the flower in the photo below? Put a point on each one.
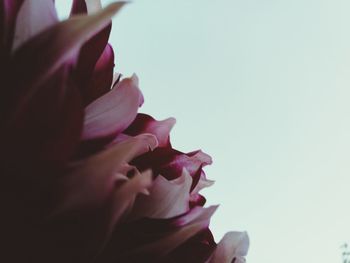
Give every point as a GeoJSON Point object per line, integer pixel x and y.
{"type": "Point", "coordinates": [84, 177]}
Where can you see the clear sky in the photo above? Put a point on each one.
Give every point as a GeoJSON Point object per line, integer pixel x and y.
{"type": "Point", "coordinates": [264, 87]}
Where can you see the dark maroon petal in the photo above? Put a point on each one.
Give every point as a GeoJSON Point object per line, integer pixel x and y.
{"type": "Point", "coordinates": [26, 74]}
{"type": "Point", "coordinates": [150, 240]}
{"type": "Point", "coordinates": [78, 7]}
{"type": "Point", "coordinates": [79, 235]}
{"type": "Point", "coordinates": [57, 45]}
{"type": "Point", "coordinates": [96, 60]}
{"type": "Point", "coordinates": [146, 124]}
{"type": "Point", "coordinates": [195, 250]}
{"type": "Point", "coordinates": [158, 161]}
{"type": "Point", "coordinates": [102, 76]}
{"type": "Point", "coordinates": [49, 126]}
{"type": "Point", "coordinates": [170, 162]}
{"type": "Point", "coordinates": [39, 107]}
{"type": "Point", "coordinates": [69, 217]}
{"type": "Point", "coordinates": [197, 200]}
{"type": "Point", "coordinates": [85, 6]}
{"type": "Point", "coordinates": [8, 14]}
{"type": "Point", "coordinates": [89, 73]}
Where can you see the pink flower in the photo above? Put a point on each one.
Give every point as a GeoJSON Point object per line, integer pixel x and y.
{"type": "Point", "coordinates": [84, 177]}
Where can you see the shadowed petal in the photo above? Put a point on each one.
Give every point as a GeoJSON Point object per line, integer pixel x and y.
{"type": "Point", "coordinates": [29, 22]}
{"type": "Point", "coordinates": [233, 247]}
{"type": "Point", "coordinates": [78, 7]}
{"type": "Point", "coordinates": [8, 14]}
{"type": "Point", "coordinates": [197, 222]}
{"type": "Point", "coordinates": [93, 179]}
{"type": "Point", "coordinates": [101, 77]}
{"type": "Point", "coordinates": [28, 78]}
{"type": "Point", "coordinates": [113, 112]}
{"type": "Point", "coordinates": [197, 249]}
{"type": "Point", "coordinates": [96, 59]}
{"type": "Point", "coordinates": [79, 235]}
{"type": "Point", "coordinates": [47, 128]}
{"type": "Point", "coordinates": [69, 36]}
{"type": "Point", "coordinates": [125, 196]}
{"type": "Point", "coordinates": [85, 6]}
{"type": "Point", "coordinates": [151, 240]}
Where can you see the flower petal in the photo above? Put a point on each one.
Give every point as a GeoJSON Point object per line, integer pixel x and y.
{"type": "Point", "coordinates": [163, 246]}
{"type": "Point", "coordinates": [93, 179]}
{"type": "Point", "coordinates": [197, 249]}
{"type": "Point", "coordinates": [8, 14]}
{"type": "Point", "coordinates": [166, 199]}
{"type": "Point", "coordinates": [125, 196]}
{"type": "Point", "coordinates": [29, 23]}
{"type": "Point", "coordinates": [69, 36]}
{"type": "Point", "coordinates": [151, 240]}
{"type": "Point", "coordinates": [101, 78]}
{"type": "Point", "coordinates": [170, 162]}
{"type": "Point", "coordinates": [25, 91]}
{"type": "Point", "coordinates": [78, 7]}
{"type": "Point", "coordinates": [113, 112]}
{"type": "Point", "coordinates": [233, 247]}
{"type": "Point", "coordinates": [203, 182]}
{"type": "Point", "coordinates": [85, 6]}
{"type": "Point", "coordinates": [46, 129]}
{"type": "Point", "coordinates": [96, 59]}
{"type": "Point", "coordinates": [145, 123]}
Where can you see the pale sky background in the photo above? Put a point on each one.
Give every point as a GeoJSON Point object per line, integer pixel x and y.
{"type": "Point", "coordinates": [263, 86]}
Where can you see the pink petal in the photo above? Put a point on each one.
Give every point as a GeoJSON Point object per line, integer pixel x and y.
{"type": "Point", "coordinates": [29, 94]}
{"type": "Point", "coordinates": [145, 123]}
{"type": "Point", "coordinates": [233, 247]}
{"type": "Point", "coordinates": [167, 198]}
{"type": "Point", "coordinates": [125, 196]}
{"type": "Point", "coordinates": [113, 112]}
{"type": "Point", "coordinates": [29, 23]}
{"type": "Point", "coordinates": [203, 182]}
{"type": "Point", "coordinates": [200, 182]}
{"type": "Point", "coordinates": [69, 36]}
{"type": "Point", "coordinates": [92, 180]}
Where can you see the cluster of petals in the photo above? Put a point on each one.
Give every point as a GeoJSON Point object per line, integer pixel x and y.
{"type": "Point", "coordinates": [84, 176]}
